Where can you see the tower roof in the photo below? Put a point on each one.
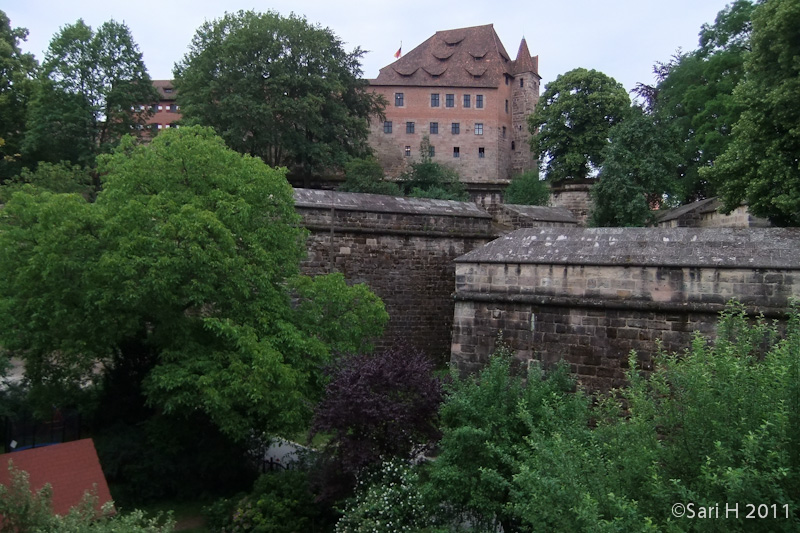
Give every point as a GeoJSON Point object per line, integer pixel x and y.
{"type": "Point", "coordinates": [524, 62]}
{"type": "Point", "coordinates": [464, 57]}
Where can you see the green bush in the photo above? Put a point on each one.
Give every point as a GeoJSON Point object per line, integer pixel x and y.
{"type": "Point", "coordinates": [280, 502]}
{"type": "Point", "coordinates": [23, 511]}
{"type": "Point", "coordinates": [715, 426]}
{"type": "Point", "coordinates": [527, 189]}
{"type": "Point", "coordinates": [387, 501]}
{"type": "Point", "coordinates": [366, 175]}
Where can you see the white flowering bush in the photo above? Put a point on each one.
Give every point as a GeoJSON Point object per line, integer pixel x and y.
{"type": "Point", "coordinates": [388, 501]}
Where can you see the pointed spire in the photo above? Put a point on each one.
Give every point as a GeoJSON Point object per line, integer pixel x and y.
{"type": "Point", "coordinates": [524, 61]}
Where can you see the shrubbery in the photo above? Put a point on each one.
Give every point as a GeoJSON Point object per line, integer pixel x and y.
{"type": "Point", "coordinates": [527, 189]}
{"type": "Point", "coordinates": [424, 178]}
{"type": "Point", "coordinates": [23, 511]}
{"type": "Point", "coordinates": [717, 425]}
{"type": "Point", "coordinates": [376, 407]}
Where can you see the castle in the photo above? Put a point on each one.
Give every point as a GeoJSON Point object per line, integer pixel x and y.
{"type": "Point", "coordinates": [462, 89]}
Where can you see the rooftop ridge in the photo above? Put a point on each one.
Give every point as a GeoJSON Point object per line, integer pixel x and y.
{"type": "Point", "coordinates": [472, 56]}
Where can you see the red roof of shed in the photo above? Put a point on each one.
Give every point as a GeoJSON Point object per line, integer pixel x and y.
{"type": "Point", "coordinates": [71, 469]}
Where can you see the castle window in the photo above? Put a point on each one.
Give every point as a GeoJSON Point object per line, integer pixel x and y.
{"type": "Point", "coordinates": [467, 100]}
{"type": "Point", "coordinates": [504, 132]}
{"type": "Point", "coordinates": [478, 128]}
{"type": "Point", "coordinates": [398, 99]}
{"type": "Point", "coordinates": [408, 151]}
{"type": "Point", "coordinates": [434, 128]}
{"type": "Point", "coordinates": [479, 101]}
{"type": "Point", "coordinates": [167, 90]}
{"type": "Point", "coordinates": [450, 100]}
{"type": "Point", "coordinates": [455, 128]}
{"type": "Point", "coordinates": [456, 151]}
{"type": "Point", "coordinates": [160, 107]}
{"type": "Point", "coordinates": [513, 145]}
{"type": "Point", "coordinates": [522, 82]}
{"type": "Point", "coordinates": [435, 100]}
{"type": "Point", "coordinates": [409, 127]}
{"type": "Point", "coordinates": [431, 151]}
{"type": "Point", "coordinates": [506, 77]}
{"type": "Point", "coordinates": [172, 108]}
{"type": "Point", "coordinates": [481, 153]}
{"type": "Point", "coordinates": [387, 126]}
{"type": "Point", "coordinates": [506, 106]}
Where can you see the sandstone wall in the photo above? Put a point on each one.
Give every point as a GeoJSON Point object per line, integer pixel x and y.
{"type": "Point", "coordinates": [575, 197]}
{"type": "Point", "coordinates": [592, 296]}
{"type": "Point", "coordinates": [403, 248]}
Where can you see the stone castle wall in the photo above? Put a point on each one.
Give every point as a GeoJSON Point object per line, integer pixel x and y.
{"type": "Point", "coordinates": [575, 197]}
{"type": "Point", "coordinates": [592, 296]}
{"type": "Point", "coordinates": [403, 248]}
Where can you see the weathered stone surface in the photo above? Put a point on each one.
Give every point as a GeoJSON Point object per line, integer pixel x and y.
{"type": "Point", "coordinates": [706, 214]}
{"type": "Point", "coordinates": [529, 216]}
{"type": "Point", "coordinates": [591, 296]}
{"type": "Point", "coordinates": [403, 248]}
{"type": "Point", "coordinates": [723, 247]}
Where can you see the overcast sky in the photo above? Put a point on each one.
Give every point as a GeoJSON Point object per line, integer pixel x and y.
{"type": "Point", "coordinates": [622, 38]}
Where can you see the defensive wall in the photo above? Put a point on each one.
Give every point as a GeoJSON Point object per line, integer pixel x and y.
{"type": "Point", "coordinates": [590, 296]}
{"type": "Point", "coordinates": [403, 248]}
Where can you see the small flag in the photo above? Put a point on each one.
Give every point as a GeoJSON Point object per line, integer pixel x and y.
{"type": "Point", "coordinates": [399, 50]}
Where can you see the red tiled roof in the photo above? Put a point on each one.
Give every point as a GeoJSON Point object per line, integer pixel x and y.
{"type": "Point", "coordinates": [524, 61]}
{"type": "Point", "coordinates": [464, 57]}
{"type": "Point", "coordinates": [162, 86]}
{"type": "Point", "coordinates": [71, 469]}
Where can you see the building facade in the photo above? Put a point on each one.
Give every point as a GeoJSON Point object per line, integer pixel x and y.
{"type": "Point", "coordinates": [461, 89]}
{"type": "Point", "coordinates": [166, 112]}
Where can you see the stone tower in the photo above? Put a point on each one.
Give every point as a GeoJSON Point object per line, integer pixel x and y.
{"type": "Point", "coordinates": [525, 97]}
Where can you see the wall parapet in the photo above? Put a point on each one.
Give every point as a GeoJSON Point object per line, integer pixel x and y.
{"type": "Point", "coordinates": [591, 296]}
{"type": "Point", "coordinates": [403, 248]}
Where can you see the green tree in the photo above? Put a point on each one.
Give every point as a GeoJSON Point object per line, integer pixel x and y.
{"type": "Point", "coordinates": [94, 89]}
{"type": "Point", "coordinates": [366, 175]}
{"type": "Point", "coordinates": [571, 123]}
{"type": "Point", "coordinates": [429, 179]}
{"type": "Point", "coordinates": [760, 165]}
{"type": "Point", "coordinates": [637, 174]}
{"type": "Point", "coordinates": [17, 71]}
{"type": "Point", "coordinates": [278, 88]}
{"type": "Point", "coordinates": [694, 96]}
{"type": "Point", "coordinates": [183, 270]}
{"type": "Point", "coordinates": [527, 189]}
{"type": "Point", "coordinates": [59, 177]}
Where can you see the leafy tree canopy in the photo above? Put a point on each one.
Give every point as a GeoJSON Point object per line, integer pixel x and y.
{"type": "Point", "coordinates": [377, 406]}
{"type": "Point", "coordinates": [277, 88]}
{"type": "Point", "coordinates": [571, 123]}
{"type": "Point", "coordinates": [94, 89]}
{"type": "Point", "coordinates": [761, 165]}
{"type": "Point", "coordinates": [528, 189]}
{"type": "Point", "coordinates": [366, 175]}
{"type": "Point", "coordinates": [638, 172]}
{"type": "Point", "coordinates": [62, 177]}
{"type": "Point", "coordinates": [429, 179]}
{"type": "Point", "coordinates": [17, 70]}
{"type": "Point", "coordinates": [694, 95]}
{"type": "Point", "coordinates": [186, 267]}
